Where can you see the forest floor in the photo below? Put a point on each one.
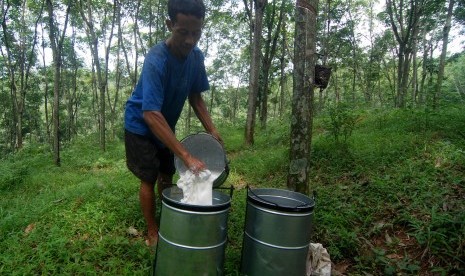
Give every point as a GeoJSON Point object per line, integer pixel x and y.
{"type": "Point", "coordinates": [389, 193]}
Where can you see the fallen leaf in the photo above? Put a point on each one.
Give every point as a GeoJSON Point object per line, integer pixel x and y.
{"type": "Point", "coordinates": [378, 225]}
{"type": "Point", "coordinates": [438, 162]}
{"type": "Point", "coordinates": [29, 228]}
{"type": "Point", "coordinates": [388, 238]}
{"type": "Point", "coordinates": [133, 231]}
{"type": "Point", "coordinates": [341, 268]}
{"type": "Point", "coordinates": [394, 256]}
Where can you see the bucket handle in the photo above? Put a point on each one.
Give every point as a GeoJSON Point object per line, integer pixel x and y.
{"type": "Point", "coordinates": [231, 190]}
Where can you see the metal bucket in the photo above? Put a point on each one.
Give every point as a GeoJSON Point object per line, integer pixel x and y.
{"type": "Point", "coordinates": [191, 238]}
{"type": "Point", "coordinates": [206, 148]}
{"type": "Point", "coordinates": [277, 232]}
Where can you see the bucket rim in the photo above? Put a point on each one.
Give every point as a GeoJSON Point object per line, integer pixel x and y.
{"type": "Point", "coordinates": [196, 208]}
{"type": "Point", "coordinates": [258, 199]}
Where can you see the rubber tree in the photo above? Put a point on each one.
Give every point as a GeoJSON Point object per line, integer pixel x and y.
{"type": "Point", "coordinates": [273, 19]}
{"type": "Point", "coordinates": [302, 99]}
{"type": "Point", "coordinates": [404, 18]}
{"type": "Point", "coordinates": [254, 71]}
{"type": "Point", "coordinates": [56, 42]}
{"type": "Point", "coordinates": [87, 12]}
{"type": "Point", "coordinates": [19, 40]}
{"type": "Point", "coordinates": [442, 59]}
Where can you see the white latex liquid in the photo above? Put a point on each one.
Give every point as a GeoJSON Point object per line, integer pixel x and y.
{"type": "Point", "coordinates": [197, 189]}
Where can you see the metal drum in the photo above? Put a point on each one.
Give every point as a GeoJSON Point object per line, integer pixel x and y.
{"type": "Point", "coordinates": [277, 232]}
{"type": "Point", "coordinates": [192, 238]}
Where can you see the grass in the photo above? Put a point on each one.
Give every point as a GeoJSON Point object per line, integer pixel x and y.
{"type": "Point", "coordinates": [389, 199]}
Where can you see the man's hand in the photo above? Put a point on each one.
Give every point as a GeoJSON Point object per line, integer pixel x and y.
{"type": "Point", "coordinates": [194, 165]}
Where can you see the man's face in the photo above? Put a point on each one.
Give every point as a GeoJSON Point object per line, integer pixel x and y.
{"type": "Point", "coordinates": [185, 33]}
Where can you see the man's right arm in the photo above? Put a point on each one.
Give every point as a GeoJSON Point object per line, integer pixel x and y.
{"type": "Point", "coordinates": [159, 126]}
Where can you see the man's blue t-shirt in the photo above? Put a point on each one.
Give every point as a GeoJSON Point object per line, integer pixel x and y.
{"type": "Point", "coordinates": [164, 84]}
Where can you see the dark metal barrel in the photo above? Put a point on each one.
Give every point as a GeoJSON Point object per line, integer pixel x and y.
{"type": "Point", "coordinates": [277, 232]}
{"type": "Point", "coordinates": [192, 238]}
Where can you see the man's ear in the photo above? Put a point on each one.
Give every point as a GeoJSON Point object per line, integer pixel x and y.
{"type": "Point", "coordinates": [169, 24]}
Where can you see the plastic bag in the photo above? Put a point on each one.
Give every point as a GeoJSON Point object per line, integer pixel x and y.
{"type": "Point", "coordinates": [318, 261]}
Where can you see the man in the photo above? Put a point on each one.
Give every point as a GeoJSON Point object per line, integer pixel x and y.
{"type": "Point", "coordinates": [173, 71]}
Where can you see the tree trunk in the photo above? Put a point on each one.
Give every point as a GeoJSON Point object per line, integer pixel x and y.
{"type": "Point", "coordinates": [101, 80]}
{"type": "Point", "coordinates": [254, 72]}
{"type": "Point", "coordinates": [118, 74]}
{"type": "Point", "coordinates": [126, 57]}
{"type": "Point", "coordinates": [415, 73]}
{"type": "Point", "coordinates": [369, 78]}
{"type": "Point", "coordinates": [353, 42]}
{"type": "Point", "coordinates": [235, 102]}
{"type": "Point", "coordinates": [337, 93]}
{"type": "Point", "coordinates": [136, 47]}
{"type": "Point", "coordinates": [302, 100]}
{"type": "Point", "coordinates": [442, 60]}
{"type": "Point", "coordinates": [282, 80]}
{"type": "Point", "coordinates": [424, 71]}
{"type": "Point", "coordinates": [405, 28]}
{"type": "Point", "coordinates": [270, 52]}
{"type": "Point", "coordinates": [19, 60]}
{"type": "Point", "coordinates": [57, 46]}
{"type": "Point", "coordinates": [71, 90]}
{"type": "Point", "coordinates": [44, 70]}
{"type": "Point", "coordinates": [11, 72]}
{"type": "Point", "coordinates": [107, 58]}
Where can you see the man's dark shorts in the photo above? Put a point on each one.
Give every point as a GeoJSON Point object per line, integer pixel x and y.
{"type": "Point", "coordinates": [145, 159]}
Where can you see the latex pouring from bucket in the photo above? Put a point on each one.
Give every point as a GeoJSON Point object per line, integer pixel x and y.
{"type": "Point", "coordinates": [210, 151]}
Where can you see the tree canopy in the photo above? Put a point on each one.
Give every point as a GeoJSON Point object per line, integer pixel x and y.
{"type": "Point", "coordinates": [67, 67]}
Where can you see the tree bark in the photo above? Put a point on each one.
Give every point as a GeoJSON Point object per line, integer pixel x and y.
{"type": "Point", "coordinates": [11, 71]}
{"type": "Point", "coordinates": [57, 47]}
{"type": "Point", "coordinates": [136, 45]}
{"type": "Point", "coordinates": [20, 58]}
{"type": "Point", "coordinates": [302, 100]}
{"type": "Point", "coordinates": [424, 71]}
{"type": "Point", "coordinates": [101, 76]}
{"type": "Point", "coordinates": [415, 73]}
{"type": "Point", "coordinates": [44, 72]}
{"type": "Point", "coordinates": [283, 78]}
{"type": "Point", "coordinates": [254, 72]}
{"type": "Point", "coordinates": [442, 60]}
{"type": "Point", "coordinates": [112, 104]}
{"type": "Point", "coordinates": [405, 28]}
{"type": "Point", "coordinates": [270, 52]}
{"type": "Point", "coordinates": [126, 57]}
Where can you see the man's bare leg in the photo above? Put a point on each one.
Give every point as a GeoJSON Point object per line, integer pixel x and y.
{"type": "Point", "coordinates": [147, 204]}
{"type": "Point", "coordinates": [164, 181]}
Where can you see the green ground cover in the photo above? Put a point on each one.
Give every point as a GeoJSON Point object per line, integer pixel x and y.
{"type": "Point", "coordinates": [390, 198]}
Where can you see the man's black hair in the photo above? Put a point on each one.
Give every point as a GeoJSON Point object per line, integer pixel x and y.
{"type": "Point", "coordinates": [187, 7]}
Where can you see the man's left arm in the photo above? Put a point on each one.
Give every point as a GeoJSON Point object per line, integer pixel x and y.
{"type": "Point", "coordinates": [201, 111]}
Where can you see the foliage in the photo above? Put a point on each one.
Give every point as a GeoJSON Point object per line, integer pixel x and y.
{"type": "Point", "coordinates": [390, 203]}
{"type": "Point", "coordinates": [341, 122]}
{"type": "Point", "coordinates": [351, 40]}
